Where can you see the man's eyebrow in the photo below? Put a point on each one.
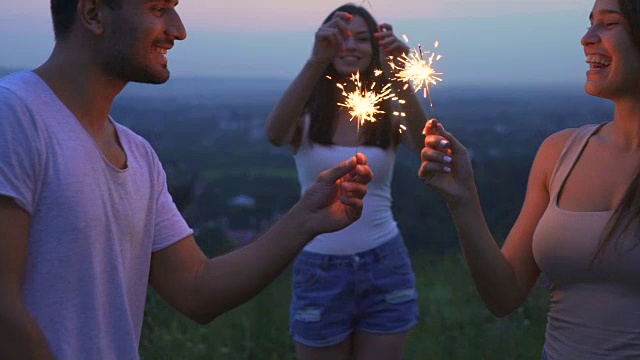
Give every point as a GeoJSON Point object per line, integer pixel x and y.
{"type": "Point", "coordinates": [174, 2]}
{"type": "Point", "coordinates": [606, 12]}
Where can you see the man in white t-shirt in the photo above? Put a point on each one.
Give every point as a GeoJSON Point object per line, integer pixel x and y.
{"type": "Point", "coordinates": [86, 221]}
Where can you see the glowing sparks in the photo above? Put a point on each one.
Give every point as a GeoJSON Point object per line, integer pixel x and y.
{"type": "Point", "coordinates": [416, 70]}
{"type": "Point", "coordinates": [364, 103]}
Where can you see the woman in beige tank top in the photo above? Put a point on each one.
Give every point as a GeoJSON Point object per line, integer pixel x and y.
{"type": "Point", "coordinates": [579, 224]}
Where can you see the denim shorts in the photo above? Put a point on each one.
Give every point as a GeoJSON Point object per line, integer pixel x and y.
{"type": "Point", "coordinates": [334, 295]}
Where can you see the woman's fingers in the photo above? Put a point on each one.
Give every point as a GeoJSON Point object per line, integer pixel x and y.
{"type": "Point", "coordinates": [331, 37]}
{"type": "Point", "coordinates": [436, 142]}
{"type": "Point", "coordinates": [435, 156]}
{"type": "Point", "coordinates": [428, 169]}
{"type": "Point", "coordinates": [454, 144]}
{"type": "Point", "coordinates": [384, 27]}
{"type": "Point", "coordinates": [342, 15]}
{"type": "Point", "coordinates": [340, 22]}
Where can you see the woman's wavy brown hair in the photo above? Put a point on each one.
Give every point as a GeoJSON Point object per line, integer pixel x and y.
{"type": "Point", "coordinates": [322, 103]}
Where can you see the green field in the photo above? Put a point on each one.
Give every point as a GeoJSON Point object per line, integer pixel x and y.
{"type": "Point", "coordinates": [454, 324]}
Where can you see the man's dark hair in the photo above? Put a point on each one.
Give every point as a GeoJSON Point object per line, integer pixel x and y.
{"type": "Point", "coordinates": [63, 14]}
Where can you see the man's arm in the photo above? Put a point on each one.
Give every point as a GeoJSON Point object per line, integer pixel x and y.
{"type": "Point", "coordinates": [20, 336]}
{"type": "Point", "coordinates": [204, 288]}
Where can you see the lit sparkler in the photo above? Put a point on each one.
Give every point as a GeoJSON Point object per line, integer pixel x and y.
{"type": "Point", "coordinates": [416, 70]}
{"type": "Point", "coordinates": [364, 103]}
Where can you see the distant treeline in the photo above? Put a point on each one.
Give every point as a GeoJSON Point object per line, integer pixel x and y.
{"type": "Point", "coordinates": [221, 148]}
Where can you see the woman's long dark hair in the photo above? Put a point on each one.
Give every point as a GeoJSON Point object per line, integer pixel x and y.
{"type": "Point", "coordinates": [322, 104]}
{"type": "Point", "coordinates": [625, 218]}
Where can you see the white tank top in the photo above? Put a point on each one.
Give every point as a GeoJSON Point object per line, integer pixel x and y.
{"type": "Point", "coordinates": [376, 225]}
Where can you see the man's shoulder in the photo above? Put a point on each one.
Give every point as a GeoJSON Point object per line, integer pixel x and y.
{"type": "Point", "coordinates": [18, 82]}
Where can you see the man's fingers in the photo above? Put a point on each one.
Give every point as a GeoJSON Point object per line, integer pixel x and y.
{"type": "Point", "coordinates": [332, 175]}
{"type": "Point", "coordinates": [354, 205]}
{"type": "Point", "coordinates": [362, 159]}
{"type": "Point", "coordinates": [354, 189]}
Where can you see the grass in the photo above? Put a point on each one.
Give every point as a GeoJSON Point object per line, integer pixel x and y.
{"type": "Point", "coordinates": [454, 324]}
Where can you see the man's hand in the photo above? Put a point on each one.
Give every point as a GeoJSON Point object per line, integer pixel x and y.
{"type": "Point", "coordinates": [334, 200]}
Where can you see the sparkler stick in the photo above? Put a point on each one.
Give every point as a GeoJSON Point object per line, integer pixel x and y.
{"type": "Point", "coordinates": [364, 103]}
{"type": "Point", "coordinates": [416, 70]}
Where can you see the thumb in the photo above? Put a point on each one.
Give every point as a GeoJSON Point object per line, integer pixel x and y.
{"type": "Point", "coordinates": [431, 127]}
{"type": "Point", "coordinates": [332, 175]}
{"type": "Point", "coordinates": [455, 145]}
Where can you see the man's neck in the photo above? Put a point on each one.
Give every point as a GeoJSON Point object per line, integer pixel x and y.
{"type": "Point", "coordinates": [80, 85]}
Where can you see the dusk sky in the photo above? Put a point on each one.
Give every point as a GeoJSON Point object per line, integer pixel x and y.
{"type": "Point", "coordinates": [482, 41]}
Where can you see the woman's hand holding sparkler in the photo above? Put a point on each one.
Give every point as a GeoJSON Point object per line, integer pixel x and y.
{"type": "Point", "coordinates": [329, 40]}
{"type": "Point", "coordinates": [334, 200]}
{"type": "Point", "coordinates": [389, 42]}
{"type": "Point", "coordinates": [446, 166]}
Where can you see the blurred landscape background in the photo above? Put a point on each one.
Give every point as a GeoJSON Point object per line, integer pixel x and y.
{"type": "Point", "coordinates": [231, 185]}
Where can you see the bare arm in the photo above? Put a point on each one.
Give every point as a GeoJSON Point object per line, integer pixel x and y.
{"type": "Point", "coordinates": [504, 277]}
{"type": "Point", "coordinates": [284, 121]}
{"type": "Point", "coordinates": [204, 288]}
{"type": "Point", "coordinates": [20, 336]}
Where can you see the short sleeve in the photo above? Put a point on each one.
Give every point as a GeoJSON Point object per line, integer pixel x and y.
{"type": "Point", "coordinates": [170, 226]}
{"type": "Point", "coordinates": [19, 151]}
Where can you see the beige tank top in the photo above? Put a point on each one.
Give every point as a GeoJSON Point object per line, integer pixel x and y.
{"type": "Point", "coordinates": [595, 309]}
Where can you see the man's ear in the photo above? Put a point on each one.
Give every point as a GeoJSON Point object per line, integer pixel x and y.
{"type": "Point", "coordinates": [91, 14]}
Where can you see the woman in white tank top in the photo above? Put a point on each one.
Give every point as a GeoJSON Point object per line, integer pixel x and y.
{"type": "Point", "coordinates": [353, 290]}
{"type": "Point", "coordinates": [579, 224]}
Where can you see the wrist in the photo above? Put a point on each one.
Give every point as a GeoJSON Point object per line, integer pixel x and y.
{"type": "Point", "coordinates": [315, 61]}
{"type": "Point", "coordinates": [298, 219]}
{"type": "Point", "coordinates": [464, 202]}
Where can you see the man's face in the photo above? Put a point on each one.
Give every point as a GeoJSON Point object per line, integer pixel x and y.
{"type": "Point", "coordinates": [137, 38]}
